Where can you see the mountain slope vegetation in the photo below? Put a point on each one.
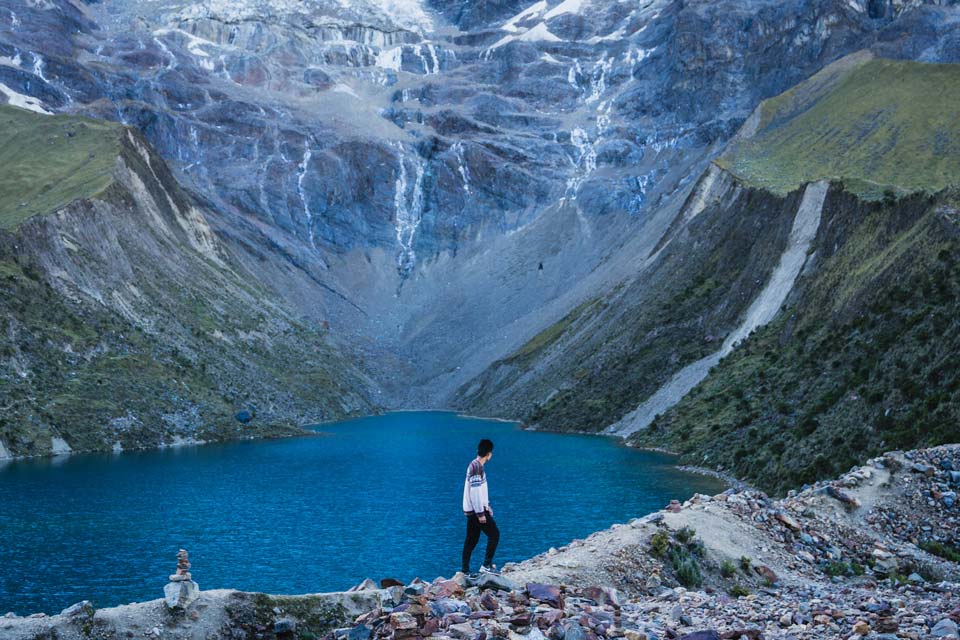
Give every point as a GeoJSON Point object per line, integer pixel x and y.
{"type": "Point", "coordinates": [858, 358]}
{"type": "Point", "coordinates": [125, 322]}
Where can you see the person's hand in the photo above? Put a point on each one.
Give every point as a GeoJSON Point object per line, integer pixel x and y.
{"type": "Point", "coordinates": [490, 509]}
{"type": "Point", "coordinates": [483, 519]}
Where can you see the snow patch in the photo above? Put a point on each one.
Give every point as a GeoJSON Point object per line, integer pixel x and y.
{"type": "Point", "coordinates": [539, 33]}
{"type": "Point", "coordinates": [15, 61]}
{"type": "Point", "coordinates": [390, 59]}
{"type": "Point", "coordinates": [24, 102]}
{"type": "Point", "coordinates": [194, 43]}
{"type": "Point", "coordinates": [529, 13]}
{"type": "Point", "coordinates": [567, 6]}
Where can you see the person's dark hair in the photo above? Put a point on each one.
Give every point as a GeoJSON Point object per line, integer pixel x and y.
{"type": "Point", "coordinates": [485, 447]}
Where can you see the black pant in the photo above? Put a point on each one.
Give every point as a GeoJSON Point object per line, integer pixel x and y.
{"type": "Point", "coordinates": [474, 527]}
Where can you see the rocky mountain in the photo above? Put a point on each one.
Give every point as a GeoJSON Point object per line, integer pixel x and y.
{"type": "Point", "coordinates": [126, 321]}
{"type": "Point", "coordinates": [462, 190]}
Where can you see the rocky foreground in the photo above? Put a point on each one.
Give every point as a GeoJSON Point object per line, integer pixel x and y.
{"type": "Point", "coordinates": [872, 554]}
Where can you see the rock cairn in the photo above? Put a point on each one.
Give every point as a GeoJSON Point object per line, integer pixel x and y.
{"type": "Point", "coordinates": [181, 590]}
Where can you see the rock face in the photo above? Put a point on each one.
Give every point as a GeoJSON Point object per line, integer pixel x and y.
{"type": "Point", "coordinates": [391, 162]}
{"type": "Point", "coordinates": [128, 312]}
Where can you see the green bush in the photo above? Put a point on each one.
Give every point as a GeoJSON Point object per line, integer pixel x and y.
{"type": "Point", "coordinates": [947, 552]}
{"type": "Point", "coordinates": [745, 564]}
{"type": "Point", "coordinates": [685, 535]}
{"type": "Point", "coordinates": [738, 591]}
{"type": "Point", "coordinates": [688, 572]}
{"type": "Point", "coordinates": [727, 569]}
{"type": "Point", "coordinates": [659, 544]}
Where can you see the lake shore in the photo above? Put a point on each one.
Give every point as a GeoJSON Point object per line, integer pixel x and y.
{"type": "Point", "coordinates": [616, 584]}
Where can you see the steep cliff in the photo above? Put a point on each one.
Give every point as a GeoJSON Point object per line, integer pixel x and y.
{"type": "Point", "coordinates": [125, 320]}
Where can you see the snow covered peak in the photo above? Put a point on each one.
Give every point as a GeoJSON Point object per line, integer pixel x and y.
{"type": "Point", "coordinates": [397, 14]}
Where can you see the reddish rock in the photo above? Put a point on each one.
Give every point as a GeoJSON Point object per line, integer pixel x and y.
{"type": "Point", "coordinates": [766, 573]}
{"type": "Point", "coordinates": [546, 593]}
{"type": "Point", "coordinates": [602, 596]}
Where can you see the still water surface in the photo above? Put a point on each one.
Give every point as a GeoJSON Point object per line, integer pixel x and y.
{"type": "Point", "coordinates": [373, 497]}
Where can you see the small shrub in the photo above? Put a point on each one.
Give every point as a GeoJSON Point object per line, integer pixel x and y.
{"type": "Point", "coordinates": [685, 535]}
{"type": "Point", "coordinates": [727, 569]}
{"type": "Point", "coordinates": [659, 544]}
{"type": "Point", "coordinates": [946, 552]}
{"type": "Point", "coordinates": [688, 573]}
{"type": "Point", "coordinates": [745, 564]}
{"type": "Point", "coordinates": [739, 591]}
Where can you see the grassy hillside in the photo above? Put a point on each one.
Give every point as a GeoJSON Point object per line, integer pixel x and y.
{"type": "Point", "coordinates": [864, 362]}
{"type": "Point", "coordinates": [125, 322]}
{"type": "Point", "coordinates": [882, 124]}
{"type": "Point", "coordinates": [49, 161]}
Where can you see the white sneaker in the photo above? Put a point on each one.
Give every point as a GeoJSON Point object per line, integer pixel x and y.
{"type": "Point", "coordinates": [492, 569]}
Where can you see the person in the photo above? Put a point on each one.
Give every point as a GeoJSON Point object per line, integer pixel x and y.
{"type": "Point", "coordinates": [476, 507]}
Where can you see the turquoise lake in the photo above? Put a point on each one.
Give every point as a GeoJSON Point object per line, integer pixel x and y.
{"type": "Point", "coordinates": [373, 497]}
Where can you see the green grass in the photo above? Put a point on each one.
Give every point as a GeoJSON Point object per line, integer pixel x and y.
{"type": "Point", "coordinates": [49, 161]}
{"type": "Point", "coordinates": [548, 336]}
{"type": "Point", "coordinates": [861, 363]}
{"type": "Point", "coordinates": [945, 551]}
{"type": "Point", "coordinates": [884, 124]}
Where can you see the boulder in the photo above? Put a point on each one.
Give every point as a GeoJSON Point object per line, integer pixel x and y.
{"type": "Point", "coordinates": [359, 632]}
{"type": "Point", "coordinates": [701, 635]}
{"type": "Point", "coordinates": [489, 602]}
{"type": "Point", "coordinates": [945, 628]}
{"type": "Point", "coordinates": [546, 593]}
{"type": "Point", "coordinates": [285, 626]}
{"type": "Point", "coordinates": [462, 631]}
{"type": "Point", "coordinates": [180, 594]}
{"type": "Point", "coordinates": [80, 609]}
{"type": "Point", "coordinates": [490, 581]}
{"type": "Point", "coordinates": [445, 606]}
{"type": "Point", "coordinates": [573, 631]}
{"type": "Point", "coordinates": [602, 595]}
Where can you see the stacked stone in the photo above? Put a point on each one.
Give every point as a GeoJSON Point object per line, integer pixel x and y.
{"type": "Point", "coordinates": [181, 590]}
